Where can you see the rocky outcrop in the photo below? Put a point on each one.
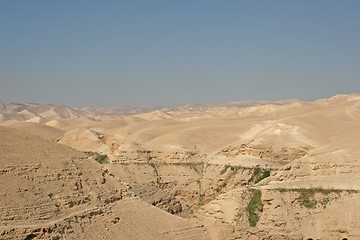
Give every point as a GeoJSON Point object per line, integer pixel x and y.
{"type": "Point", "coordinates": [286, 214]}
{"type": "Point", "coordinates": [285, 155]}
{"type": "Point", "coordinates": [170, 205]}
{"type": "Point", "coordinates": [181, 188]}
{"type": "Point", "coordinates": [143, 156]}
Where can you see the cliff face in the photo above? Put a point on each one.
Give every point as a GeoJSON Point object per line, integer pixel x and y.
{"type": "Point", "coordinates": [310, 213]}
{"type": "Point", "coordinates": [284, 214]}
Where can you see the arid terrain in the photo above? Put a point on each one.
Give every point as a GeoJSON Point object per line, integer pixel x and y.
{"type": "Point", "coordinates": [245, 170]}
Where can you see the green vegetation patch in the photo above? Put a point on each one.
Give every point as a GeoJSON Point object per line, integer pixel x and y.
{"type": "Point", "coordinates": [233, 168]}
{"type": "Point", "coordinates": [155, 167]}
{"type": "Point", "coordinates": [307, 195]}
{"type": "Point", "coordinates": [260, 174]}
{"type": "Point", "coordinates": [255, 207]}
{"type": "Point", "coordinates": [226, 168]}
{"type": "Point", "coordinates": [101, 158]}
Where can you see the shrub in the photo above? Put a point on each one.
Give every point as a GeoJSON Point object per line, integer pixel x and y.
{"type": "Point", "coordinates": [260, 174]}
{"type": "Point", "coordinates": [254, 207]}
{"type": "Point", "coordinates": [307, 195]}
{"type": "Point", "coordinates": [101, 158]}
{"type": "Point", "coordinates": [225, 169]}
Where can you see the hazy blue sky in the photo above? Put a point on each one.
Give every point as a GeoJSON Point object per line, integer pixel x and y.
{"type": "Point", "coordinates": [176, 52]}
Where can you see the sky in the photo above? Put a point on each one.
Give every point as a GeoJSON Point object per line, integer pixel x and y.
{"type": "Point", "coordinates": [165, 53]}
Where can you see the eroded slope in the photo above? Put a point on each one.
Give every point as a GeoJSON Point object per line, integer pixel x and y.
{"type": "Point", "coordinates": [51, 191]}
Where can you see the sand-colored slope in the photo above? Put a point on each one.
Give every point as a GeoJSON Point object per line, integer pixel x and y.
{"type": "Point", "coordinates": [335, 160]}
{"type": "Point", "coordinates": [49, 190]}
{"type": "Point", "coordinates": [38, 129]}
{"type": "Point", "coordinates": [277, 133]}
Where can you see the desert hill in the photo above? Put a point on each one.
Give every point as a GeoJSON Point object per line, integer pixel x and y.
{"type": "Point", "coordinates": [116, 110]}
{"type": "Point", "coordinates": [245, 170]}
{"type": "Point", "coordinates": [51, 191]}
{"type": "Point", "coordinates": [34, 112]}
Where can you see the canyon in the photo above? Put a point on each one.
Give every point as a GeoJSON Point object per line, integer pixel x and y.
{"type": "Point", "coordinates": [245, 170]}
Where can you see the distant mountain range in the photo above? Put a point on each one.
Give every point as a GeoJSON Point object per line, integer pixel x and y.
{"type": "Point", "coordinates": [35, 112]}
{"type": "Point", "coordinates": [24, 112]}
